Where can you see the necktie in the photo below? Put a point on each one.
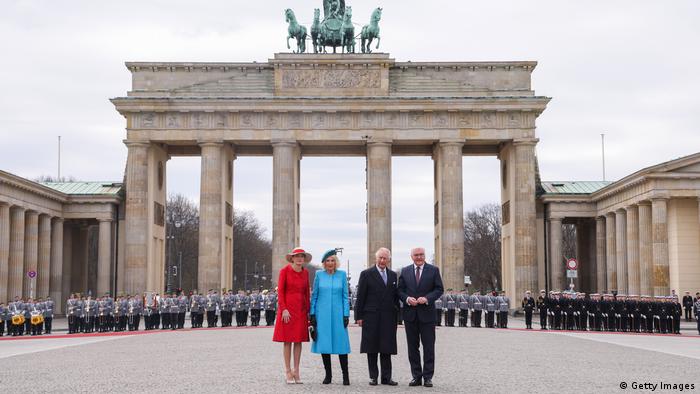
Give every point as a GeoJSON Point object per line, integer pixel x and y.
{"type": "Point", "coordinates": [383, 272]}
{"type": "Point", "coordinates": [417, 275]}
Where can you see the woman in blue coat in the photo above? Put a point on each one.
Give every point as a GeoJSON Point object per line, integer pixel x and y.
{"type": "Point", "coordinates": [330, 314]}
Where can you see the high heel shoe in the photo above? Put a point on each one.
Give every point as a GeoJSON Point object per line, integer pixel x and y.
{"type": "Point", "coordinates": [297, 379]}
{"type": "Point", "coordinates": [289, 378]}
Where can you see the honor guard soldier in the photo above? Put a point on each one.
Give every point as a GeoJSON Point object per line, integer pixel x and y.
{"type": "Point", "coordinates": [148, 312]}
{"type": "Point", "coordinates": [270, 308]}
{"type": "Point", "coordinates": [591, 304]}
{"type": "Point", "coordinates": [182, 302]}
{"type": "Point", "coordinates": [582, 305]}
{"type": "Point", "coordinates": [35, 316]}
{"type": "Point", "coordinates": [688, 306]}
{"type": "Point", "coordinates": [195, 310]}
{"type": "Point", "coordinates": [503, 303]}
{"type": "Point", "coordinates": [542, 301]}
{"type": "Point", "coordinates": [246, 308]}
{"type": "Point", "coordinates": [528, 305]}
{"type": "Point", "coordinates": [72, 314]}
{"type": "Point", "coordinates": [211, 309]}
{"type": "Point", "coordinates": [131, 311]}
{"type": "Point", "coordinates": [463, 303]}
{"type": "Point", "coordinates": [556, 303]}
{"type": "Point", "coordinates": [696, 307]}
{"type": "Point", "coordinates": [27, 310]}
{"type": "Point", "coordinates": [173, 310]}
{"type": "Point", "coordinates": [3, 317]}
{"type": "Point", "coordinates": [439, 309]}
{"type": "Point", "coordinates": [164, 311]}
{"type": "Point", "coordinates": [490, 304]}
{"type": "Point", "coordinates": [476, 305]}
{"type": "Point", "coordinates": [102, 315]}
{"type": "Point", "coordinates": [241, 308]}
{"type": "Point", "coordinates": [451, 306]}
{"type": "Point", "coordinates": [226, 309]}
{"type": "Point", "coordinates": [48, 314]}
{"type": "Point", "coordinates": [677, 314]}
{"type": "Point", "coordinates": [635, 312]}
{"type": "Point", "coordinates": [16, 313]}
{"type": "Point", "coordinates": [256, 303]}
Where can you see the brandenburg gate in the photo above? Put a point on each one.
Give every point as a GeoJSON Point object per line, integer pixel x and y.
{"type": "Point", "coordinates": [297, 105]}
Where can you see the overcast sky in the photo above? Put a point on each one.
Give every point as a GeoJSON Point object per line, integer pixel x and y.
{"type": "Point", "coordinates": [628, 69]}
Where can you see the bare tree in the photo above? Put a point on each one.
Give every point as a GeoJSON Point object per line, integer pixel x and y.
{"type": "Point", "coordinates": [252, 253]}
{"type": "Point", "coordinates": [482, 247]}
{"type": "Point", "coordinates": [51, 178]}
{"type": "Point", "coordinates": [182, 232]}
{"type": "Point", "coordinates": [568, 246]}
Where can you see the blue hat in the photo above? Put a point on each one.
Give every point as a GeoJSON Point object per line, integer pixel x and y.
{"type": "Point", "coordinates": [328, 254]}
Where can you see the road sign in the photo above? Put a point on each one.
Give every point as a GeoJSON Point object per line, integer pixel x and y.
{"type": "Point", "coordinates": [31, 274]}
{"type": "Point", "coordinates": [467, 280]}
{"type": "Point", "coordinates": [572, 274]}
{"type": "Point", "coordinates": [572, 264]}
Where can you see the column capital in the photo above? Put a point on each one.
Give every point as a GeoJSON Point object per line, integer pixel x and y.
{"type": "Point", "coordinates": [644, 203]}
{"type": "Point", "coordinates": [137, 144]}
{"type": "Point", "coordinates": [600, 218]}
{"type": "Point", "coordinates": [105, 220]}
{"type": "Point", "coordinates": [214, 143]}
{"type": "Point", "coordinates": [32, 212]}
{"type": "Point", "coordinates": [659, 198]}
{"type": "Point", "coordinates": [292, 143]}
{"type": "Point", "coordinates": [451, 142]}
{"type": "Point", "coordinates": [525, 141]}
{"type": "Point", "coordinates": [631, 207]}
{"type": "Point", "coordinates": [379, 142]}
{"type": "Point", "coordinates": [18, 208]}
{"type": "Point", "coordinates": [610, 214]}
{"type": "Point", "coordinates": [556, 219]}
{"type": "Point", "coordinates": [57, 219]}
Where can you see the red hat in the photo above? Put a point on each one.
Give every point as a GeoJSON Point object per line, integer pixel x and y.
{"type": "Point", "coordinates": [296, 251]}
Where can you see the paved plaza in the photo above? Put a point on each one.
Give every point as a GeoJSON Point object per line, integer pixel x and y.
{"type": "Point", "coordinates": [245, 360]}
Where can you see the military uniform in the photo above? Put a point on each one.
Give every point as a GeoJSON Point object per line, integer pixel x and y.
{"type": "Point", "coordinates": [256, 303]}
{"type": "Point", "coordinates": [490, 302]}
{"type": "Point", "coordinates": [463, 303]}
{"type": "Point", "coordinates": [528, 305]}
{"type": "Point", "coordinates": [3, 317]}
{"type": "Point", "coordinates": [696, 307]}
{"type": "Point", "coordinates": [182, 303]}
{"type": "Point", "coordinates": [226, 309]}
{"type": "Point", "coordinates": [195, 311]}
{"type": "Point", "coordinates": [542, 302]}
{"type": "Point", "coordinates": [688, 306]}
{"type": "Point", "coordinates": [211, 309]}
{"type": "Point", "coordinates": [503, 306]}
{"type": "Point", "coordinates": [438, 311]}
{"type": "Point", "coordinates": [476, 305]}
{"type": "Point", "coordinates": [48, 315]}
{"type": "Point", "coordinates": [271, 308]}
{"type": "Point", "coordinates": [73, 314]}
{"type": "Point", "coordinates": [173, 311]}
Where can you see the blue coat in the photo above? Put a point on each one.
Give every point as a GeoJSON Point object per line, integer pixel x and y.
{"type": "Point", "coordinates": [330, 303]}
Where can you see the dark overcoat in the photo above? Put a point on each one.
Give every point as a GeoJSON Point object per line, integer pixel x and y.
{"type": "Point", "coordinates": [377, 305]}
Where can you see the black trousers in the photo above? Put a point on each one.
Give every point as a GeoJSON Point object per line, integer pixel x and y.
{"type": "Point", "coordinates": [450, 320]}
{"type": "Point", "coordinates": [687, 314]}
{"type": "Point", "coordinates": [543, 318]}
{"type": "Point", "coordinates": [463, 317]}
{"type": "Point", "coordinates": [174, 317]}
{"type": "Point", "coordinates": [165, 320]}
{"type": "Point", "coordinates": [476, 319]}
{"type": "Point", "coordinates": [269, 317]}
{"type": "Point", "coordinates": [438, 315]}
{"type": "Point", "coordinates": [255, 317]}
{"type": "Point", "coordinates": [47, 324]}
{"type": "Point", "coordinates": [2, 328]}
{"type": "Point", "coordinates": [503, 319]}
{"type": "Point", "coordinates": [211, 318]}
{"type": "Point", "coordinates": [385, 360]}
{"type": "Point", "coordinates": [528, 318]}
{"type": "Point", "coordinates": [489, 318]}
{"type": "Point", "coordinates": [417, 334]}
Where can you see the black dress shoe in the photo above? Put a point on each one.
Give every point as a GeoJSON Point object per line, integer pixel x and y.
{"type": "Point", "coordinates": [373, 382]}
{"type": "Point", "coordinates": [390, 383]}
{"type": "Point", "coordinates": [428, 383]}
{"type": "Point", "coordinates": [415, 382]}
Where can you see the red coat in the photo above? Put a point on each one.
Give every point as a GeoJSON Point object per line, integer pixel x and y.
{"type": "Point", "coordinates": [292, 295]}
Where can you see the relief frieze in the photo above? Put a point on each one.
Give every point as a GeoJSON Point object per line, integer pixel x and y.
{"type": "Point", "coordinates": [336, 79]}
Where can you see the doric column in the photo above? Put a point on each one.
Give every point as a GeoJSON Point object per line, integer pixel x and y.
{"type": "Point", "coordinates": [611, 252]}
{"type": "Point", "coordinates": [4, 249]}
{"type": "Point", "coordinates": [556, 258]}
{"type": "Point", "coordinates": [56, 279]}
{"type": "Point", "coordinates": [600, 254]}
{"type": "Point", "coordinates": [16, 255]}
{"type": "Point", "coordinates": [633, 250]}
{"type": "Point", "coordinates": [67, 273]}
{"type": "Point", "coordinates": [524, 217]}
{"type": "Point", "coordinates": [449, 247]}
{"type": "Point", "coordinates": [31, 251]}
{"type": "Point", "coordinates": [210, 213]}
{"type": "Point", "coordinates": [646, 256]}
{"type": "Point", "coordinates": [378, 197]}
{"type": "Point", "coordinates": [136, 220]}
{"type": "Point", "coordinates": [104, 253]}
{"type": "Point", "coordinates": [285, 186]}
{"type": "Point", "coordinates": [621, 244]}
{"type": "Point", "coordinates": [586, 255]}
{"type": "Point", "coordinates": [44, 259]}
{"type": "Point", "coordinates": [659, 228]}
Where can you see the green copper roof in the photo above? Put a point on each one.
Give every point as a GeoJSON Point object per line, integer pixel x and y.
{"type": "Point", "coordinates": [85, 188]}
{"type": "Point", "coordinates": [571, 187]}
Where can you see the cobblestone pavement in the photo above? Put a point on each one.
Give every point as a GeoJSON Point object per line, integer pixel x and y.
{"type": "Point", "coordinates": [245, 360]}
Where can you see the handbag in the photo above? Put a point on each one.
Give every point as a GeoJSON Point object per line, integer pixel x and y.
{"type": "Point", "coordinates": [312, 332]}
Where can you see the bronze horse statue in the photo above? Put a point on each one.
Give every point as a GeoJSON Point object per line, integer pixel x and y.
{"type": "Point", "coordinates": [347, 31]}
{"type": "Point", "coordinates": [295, 30]}
{"type": "Point", "coordinates": [371, 31]}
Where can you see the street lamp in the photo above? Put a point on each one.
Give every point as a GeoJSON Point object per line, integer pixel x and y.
{"type": "Point", "coordinates": [171, 239]}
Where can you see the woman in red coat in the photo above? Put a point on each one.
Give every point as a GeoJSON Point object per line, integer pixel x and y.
{"type": "Point", "coordinates": [291, 325]}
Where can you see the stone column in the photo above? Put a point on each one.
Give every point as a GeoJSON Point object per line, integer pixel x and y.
{"type": "Point", "coordinates": [600, 254]}
{"type": "Point", "coordinates": [611, 252]}
{"type": "Point", "coordinates": [646, 256]}
{"type": "Point", "coordinates": [67, 274]}
{"type": "Point", "coordinates": [104, 253]}
{"type": "Point", "coordinates": [659, 228]}
{"type": "Point", "coordinates": [621, 244]}
{"type": "Point", "coordinates": [632, 250]}
{"type": "Point", "coordinates": [16, 254]}
{"type": "Point", "coordinates": [136, 220]}
{"type": "Point", "coordinates": [586, 255]}
{"type": "Point", "coordinates": [556, 262]}
{"type": "Point", "coordinates": [4, 249]}
{"type": "Point", "coordinates": [378, 197]}
{"type": "Point", "coordinates": [525, 220]}
{"type": "Point", "coordinates": [31, 251]}
{"type": "Point", "coordinates": [56, 279]}
{"type": "Point", "coordinates": [450, 214]}
{"type": "Point", "coordinates": [44, 259]}
{"type": "Point", "coordinates": [285, 171]}
{"type": "Point", "coordinates": [210, 214]}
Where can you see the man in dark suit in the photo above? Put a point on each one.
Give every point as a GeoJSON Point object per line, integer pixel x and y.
{"type": "Point", "coordinates": [420, 285]}
{"type": "Point", "coordinates": [376, 309]}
